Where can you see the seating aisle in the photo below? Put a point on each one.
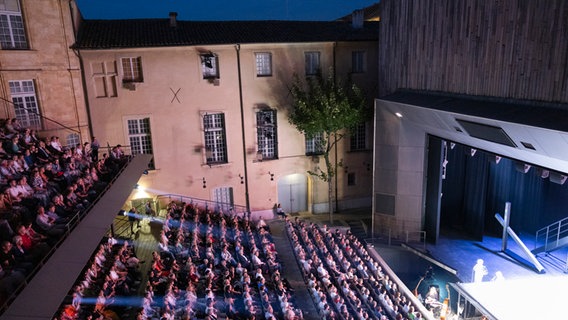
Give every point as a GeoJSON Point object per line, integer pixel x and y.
{"type": "Point", "coordinates": [291, 271]}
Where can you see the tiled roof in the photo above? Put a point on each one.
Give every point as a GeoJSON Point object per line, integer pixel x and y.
{"type": "Point", "coordinates": [107, 34]}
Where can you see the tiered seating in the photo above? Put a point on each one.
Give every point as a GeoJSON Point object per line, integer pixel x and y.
{"type": "Point", "coordinates": [45, 189]}
{"type": "Point", "coordinates": [210, 265]}
{"type": "Point", "coordinates": [345, 281]}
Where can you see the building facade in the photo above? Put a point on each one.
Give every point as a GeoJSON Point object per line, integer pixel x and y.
{"type": "Point", "coordinates": [40, 77]}
{"type": "Point", "coordinates": [209, 100]}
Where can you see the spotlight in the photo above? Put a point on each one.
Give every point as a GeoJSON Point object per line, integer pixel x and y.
{"type": "Point", "coordinates": [145, 172]}
{"type": "Point", "coordinates": [242, 178]}
{"type": "Point", "coordinates": [271, 176]}
{"type": "Point", "coordinates": [204, 183]}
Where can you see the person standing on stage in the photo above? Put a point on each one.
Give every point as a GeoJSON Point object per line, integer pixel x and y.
{"type": "Point", "coordinates": [479, 271]}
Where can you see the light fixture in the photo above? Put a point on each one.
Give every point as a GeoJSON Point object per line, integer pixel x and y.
{"type": "Point", "coordinates": [346, 169]}
{"type": "Point", "coordinates": [204, 183]}
{"type": "Point", "coordinates": [145, 172]}
{"type": "Point", "coordinates": [473, 151]}
{"type": "Point", "coordinates": [242, 178]}
{"type": "Point", "coordinates": [136, 186]}
{"type": "Point", "coordinates": [271, 175]}
{"type": "Point", "coordinates": [398, 114]}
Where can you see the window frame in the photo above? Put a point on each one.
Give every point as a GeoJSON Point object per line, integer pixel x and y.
{"type": "Point", "coordinates": [14, 21]}
{"type": "Point", "coordinates": [358, 140]}
{"type": "Point", "coordinates": [132, 71]}
{"type": "Point", "coordinates": [143, 129]}
{"type": "Point", "coordinates": [25, 103]}
{"type": "Point", "coordinates": [358, 61]}
{"type": "Point", "coordinates": [263, 64]}
{"type": "Point", "coordinates": [215, 153]}
{"type": "Point", "coordinates": [312, 61]}
{"type": "Point", "coordinates": [311, 144]}
{"type": "Point", "coordinates": [209, 66]}
{"type": "Point", "coordinates": [267, 134]}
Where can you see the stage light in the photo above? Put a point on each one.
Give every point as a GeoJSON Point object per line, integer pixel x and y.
{"type": "Point", "coordinates": [398, 114]}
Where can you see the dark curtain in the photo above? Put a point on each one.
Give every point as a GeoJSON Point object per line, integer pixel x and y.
{"type": "Point", "coordinates": [465, 191]}
{"type": "Point", "coordinates": [477, 187]}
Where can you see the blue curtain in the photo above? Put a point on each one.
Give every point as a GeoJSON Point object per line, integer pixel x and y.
{"type": "Point", "coordinates": [476, 188]}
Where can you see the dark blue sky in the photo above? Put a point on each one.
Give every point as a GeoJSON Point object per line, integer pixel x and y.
{"type": "Point", "coordinates": [316, 10]}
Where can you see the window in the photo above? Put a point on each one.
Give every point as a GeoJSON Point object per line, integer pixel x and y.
{"type": "Point", "coordinates": [132, 70]}
{"type": "Point", "coordinates": [140, 136]}
{"type": "Point", "coordinates": [266, 134]}
{"type": "Point", "coordinates": [315, 144]}
{"type": "Point", "coordinates": [25, 103]}
{"type": "Point", "coordinates": [72, 140]}
{"type": "Point", "coordinates": [358, 61]}
{"type": "Point", "coordinates": [12, 33]}
{"type": "Point", "coordinates": [210, 66]}
{"type": "Point", "coordinates": [223, 198]}
{"type": "Point", "coordinates": [263, 64]}
{"type": "Point", "coordinates": [351, 181]}
{"type": "Point", "coordinates": [215, 145]}
{"type": "Point", "coordinates": [312, 63]}
{"type": "Point", "coordinates": [359, 138]}
{"type": "Point", "coordinates": [104, 78]}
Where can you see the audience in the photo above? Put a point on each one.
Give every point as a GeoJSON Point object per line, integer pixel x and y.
{"type": "Point", "coordinates": [34, 188]}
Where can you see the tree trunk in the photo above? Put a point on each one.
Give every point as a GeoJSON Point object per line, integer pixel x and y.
{"type": "Point", "coordinates": [330, 174]}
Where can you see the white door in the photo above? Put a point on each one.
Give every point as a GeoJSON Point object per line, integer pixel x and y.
{"type": "Point", "coordinates": [293, 193]}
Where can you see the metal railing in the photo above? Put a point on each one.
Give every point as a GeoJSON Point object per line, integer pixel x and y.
{"type": "Point", "coordinates": [69, 227]}
{"type": "Point", "coordinates": [163, 200]}
{"type": "Point", "coordinates": [551, 236]}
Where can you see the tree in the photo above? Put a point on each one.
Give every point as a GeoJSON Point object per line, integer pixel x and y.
{"type": "Point", "coordinates": [326, 109]}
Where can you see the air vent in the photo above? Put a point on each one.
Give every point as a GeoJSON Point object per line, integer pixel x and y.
{"type": "Point", "coordinates": [528, 145]}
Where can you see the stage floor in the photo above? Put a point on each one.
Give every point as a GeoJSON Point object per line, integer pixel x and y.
{"type": "Point", "coordinates": [524, 294]}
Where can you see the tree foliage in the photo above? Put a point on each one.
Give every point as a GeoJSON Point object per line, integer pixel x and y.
{"type": "Point", "coordinates": [327, 108]}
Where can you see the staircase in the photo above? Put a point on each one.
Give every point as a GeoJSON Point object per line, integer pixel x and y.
{"type": "Point", "coordinates": [552, 237]}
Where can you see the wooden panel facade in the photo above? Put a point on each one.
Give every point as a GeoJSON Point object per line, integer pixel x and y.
{"type": "Point", "coordinates": [514, 49]}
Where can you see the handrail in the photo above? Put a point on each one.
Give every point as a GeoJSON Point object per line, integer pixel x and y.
{"type": "Point", "coordinates": [217, 205]}
{"type": "Point", "coordinates": [551, 234]}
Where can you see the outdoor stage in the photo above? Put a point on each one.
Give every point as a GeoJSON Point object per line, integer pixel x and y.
{"type": "Point", "coordinates": [524, 294]}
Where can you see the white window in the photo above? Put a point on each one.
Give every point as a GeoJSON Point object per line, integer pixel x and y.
{"type": "Point", "coordinates": [263, 64]}
{"type": "Point", "coordinates": [104, 78]}
{"type": "Point", "coordinates": [139, 135]}
{"type": "Point", "coordinates": [72, 140]}
{"type": "Point", "coordinates": [132, 69]}
{"type": "Point", "coordinates": [359, 138]}
{"type": "Point", "coordinates": [223, 198]}
{"type": "Point", "coordinates": [12, 33]}
{"type": "Point", "coordinates": [312, 63]}
{"type": "Point", "coordinates": [25, 103]}
{"type": "Point", "coordinates": [215, 145]}
{"type": "Point", "coordinates": [266, 134]}
{"type": "Point", "coordinates": [315, 144]}
{"type": "Point", "coordinates": [358, 61]}
{"type": "Point", "coordinates": [210, 66]}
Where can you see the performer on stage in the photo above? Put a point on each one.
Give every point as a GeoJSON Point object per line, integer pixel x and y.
{"type": "Point", "coordinates": [432, 300]}
{"type": "Point", "coordinates": [479, 271]}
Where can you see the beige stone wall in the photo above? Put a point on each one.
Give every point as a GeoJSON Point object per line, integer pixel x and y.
{"type": "Point", "coordinates": [53, 67]}
{"type": "Point", "coordinates": [175, 97]}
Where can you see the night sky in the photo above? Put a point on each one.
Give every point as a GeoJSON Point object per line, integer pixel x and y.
{"type": "Point", "coordinates": [315, 10]}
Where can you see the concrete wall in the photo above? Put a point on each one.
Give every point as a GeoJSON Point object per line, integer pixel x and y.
{"type": "Point", "coordinates": [399, 174]}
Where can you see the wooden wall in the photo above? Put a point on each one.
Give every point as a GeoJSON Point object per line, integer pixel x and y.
{"type": "Point", "coordinates": [514, 49]}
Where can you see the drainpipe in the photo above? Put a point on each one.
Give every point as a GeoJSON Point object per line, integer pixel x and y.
{"type": "Point", "coordinates": [247, 200]}
{"type": "Point", "coordinates": [82, 66]}
{"type": "Point", "coordinates": [335, 136]}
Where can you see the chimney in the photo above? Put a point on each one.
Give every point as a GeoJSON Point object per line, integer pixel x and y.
{"type": "Point", "coordinates": [173, 21]}
{"type": "Point", "coordinates": [357, 19]}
